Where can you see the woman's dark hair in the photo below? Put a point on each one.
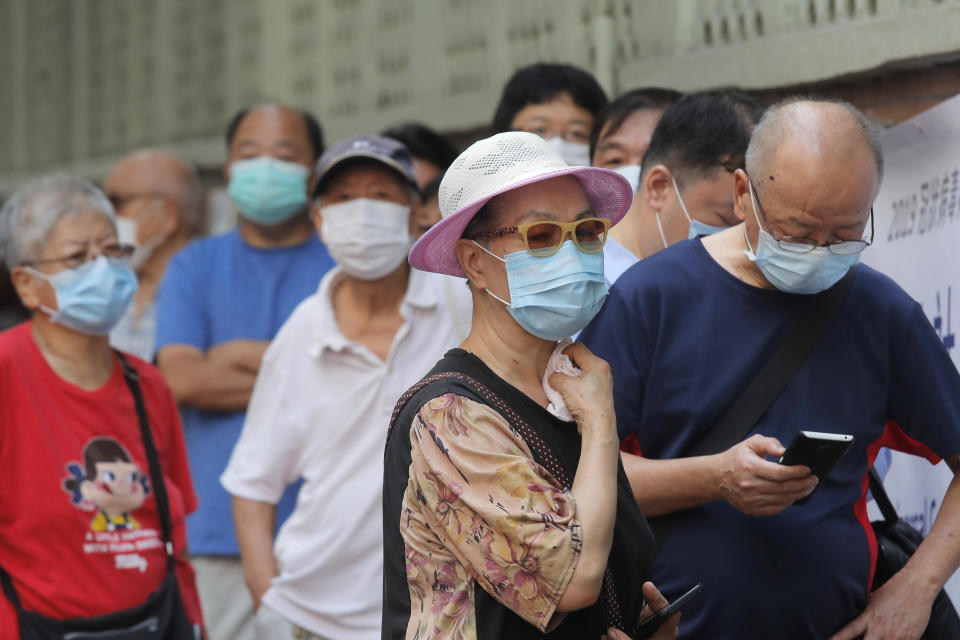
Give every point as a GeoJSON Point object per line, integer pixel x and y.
{"type": "Point", "coordinates": [703, 132]}
{"type": "Point", "coordinates": [539, 83]}
{"type": "Point", "coordinates": [483, 220]}
{"type": "Point", "coordinates": [616, 113]}
{"type": "Point", "coordinates": [431, 190]}
{"type": "Point", "coordinates": [314, 132]}
{"type": "Point", "coordinates": [424, 143]}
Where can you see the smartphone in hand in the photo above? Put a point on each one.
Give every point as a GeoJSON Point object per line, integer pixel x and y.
{"type": "Point", "coordinates": [649, 625]}
{"type": "Point", "coordinates": [819, 451]}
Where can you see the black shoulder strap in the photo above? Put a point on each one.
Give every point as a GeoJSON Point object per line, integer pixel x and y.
{"type": "Point", "coordinates": [776, 374]}
{"type": "Point", "coordinates": [880, 496]}
{"type": "Point", "coordinates": [132, 379]}
{"type": "Point", "coordinates": [8, 589]}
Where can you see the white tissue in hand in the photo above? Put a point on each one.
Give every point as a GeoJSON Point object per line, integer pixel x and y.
{"type": "Point", "coordinates": [559, 362]}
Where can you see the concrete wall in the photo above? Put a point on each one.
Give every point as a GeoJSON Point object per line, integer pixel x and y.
{"type": "Point", "coordinates": [87, 80]}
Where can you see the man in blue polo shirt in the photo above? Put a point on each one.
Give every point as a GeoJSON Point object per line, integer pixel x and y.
{"type": "Point", "coordinates": [687, 329]}
{"type": "Point", "coordinates": [221, 302]}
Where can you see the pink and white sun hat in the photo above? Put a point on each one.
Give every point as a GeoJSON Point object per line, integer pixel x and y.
{"type": "Point", "coordinates": [498, 164]}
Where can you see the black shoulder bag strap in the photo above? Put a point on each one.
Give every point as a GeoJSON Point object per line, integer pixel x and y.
{"type": "Point", "coordinates": [880, 496]}
{"type": "Point", "coordinates": [132, 378]}
{"type": "Point", "coordinates": [805, 334]}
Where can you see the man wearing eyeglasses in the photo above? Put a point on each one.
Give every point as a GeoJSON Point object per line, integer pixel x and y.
{"type": "Point", "coordinates": [686, 332]}
{"type": "Point", "coordinates": [157, 198]}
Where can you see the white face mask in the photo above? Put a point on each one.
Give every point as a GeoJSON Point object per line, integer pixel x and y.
{"type": "Point", "coordinates": [575, 154]}
{"type": "Point", "coordinates": [128, 230]}
{"type": "Point", "coordinates": [367, 238]}
{"type": "Point", "coordinates": [632, 173]}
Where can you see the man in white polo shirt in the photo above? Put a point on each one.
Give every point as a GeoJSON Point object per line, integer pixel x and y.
{"type": "Point", "coordinates": [323, 400]}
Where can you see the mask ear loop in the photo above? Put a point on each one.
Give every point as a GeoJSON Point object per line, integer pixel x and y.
{"type": "Point", "coordinates": [660, 227]}
{"type": "Point", "coordinates": [37, 274]}
{"type": "Point", "coordinates": [146, 249]}
{"type": "Point", "coordinates": [749, 250]}
{"type": "Point", "coordinates": [683, 207]}
{"type": "Point", "coordinates": [491, 293]}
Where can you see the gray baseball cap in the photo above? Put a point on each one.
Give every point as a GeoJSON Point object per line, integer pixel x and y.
{"type": "Point", "coordinates": [379, 148]}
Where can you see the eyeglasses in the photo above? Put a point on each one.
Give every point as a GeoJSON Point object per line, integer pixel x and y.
{"type": "Point", "coordinates": [544, 238]}
{"type": "Point", "coordinates": [114, 251]}
{"type": "Point", "coordinates": [806, 245]}
{"type": "Point", "coordinates": [118, 200]}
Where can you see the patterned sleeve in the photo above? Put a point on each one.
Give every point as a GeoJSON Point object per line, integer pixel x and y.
{"type": "Point", "coordinates": [502, 515]}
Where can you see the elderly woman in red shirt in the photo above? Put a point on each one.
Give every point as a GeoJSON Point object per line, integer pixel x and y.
{"type": "Point", "coordinates": [96, 484]}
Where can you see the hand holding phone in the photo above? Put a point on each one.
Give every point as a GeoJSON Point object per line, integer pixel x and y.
{"type": "Point", "coordinates": [649, 625]}
{"type": "Point", "coordinates": [818, 451]}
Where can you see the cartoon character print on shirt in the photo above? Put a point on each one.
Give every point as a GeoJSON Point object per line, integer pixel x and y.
{"type": "Point", "coordinates": [108, 482]}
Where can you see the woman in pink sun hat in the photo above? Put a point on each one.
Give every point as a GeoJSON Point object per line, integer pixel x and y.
{"type": "Point", "coordinates": [506, 511]}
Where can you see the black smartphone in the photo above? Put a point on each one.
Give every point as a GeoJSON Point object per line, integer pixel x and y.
{"type": "Point", "coordinates": [819, 451]}
{"type": "Point", "coordinates": [649, 625]}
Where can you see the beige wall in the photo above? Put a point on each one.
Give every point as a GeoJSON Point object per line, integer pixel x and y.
{"type": "Point", "coordinates": [87, 80]}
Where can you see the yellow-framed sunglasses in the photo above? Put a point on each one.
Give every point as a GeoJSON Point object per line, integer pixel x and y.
{"type": "Point", "coordinates": [544, 238]}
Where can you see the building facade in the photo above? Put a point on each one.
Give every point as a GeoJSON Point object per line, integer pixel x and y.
{"type": "Point", "coordinates": [88, 80]}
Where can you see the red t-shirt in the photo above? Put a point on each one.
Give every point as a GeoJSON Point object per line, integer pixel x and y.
{"type": "Point", "coordinates": [79, 527]}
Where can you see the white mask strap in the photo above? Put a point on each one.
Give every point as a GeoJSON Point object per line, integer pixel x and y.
{"type": "Point", "coordinates": [683, 207]}
{"type": "Point", "coordinates": [749, 251]}
{"type": "Point", "coordinates": [498, 298]}
{"type": "Point", "coordinates": [47, 310]}
{"type": "Point", "coordinates": [492, 294]}
{"type": "Point", "coordinates": [660, 226]}
{"type": "Point", "coordinates": [483, 248]}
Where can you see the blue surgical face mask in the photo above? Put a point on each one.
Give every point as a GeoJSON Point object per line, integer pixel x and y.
{"type": "Point", "coordinates": [93, 297]}
{"type": "Point", "coordinates": [792, 272]}
{"type": "Point", "coordinates": [268, 191]}
{"type": "Point", "coordinates": [697, 228]}
{"type": "Point", "coordinates": [556, 296]}
{"type": "Point", "coordinates": [632, 173]}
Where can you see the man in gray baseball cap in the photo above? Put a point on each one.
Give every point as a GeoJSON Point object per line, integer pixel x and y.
{"type": "Point", "coordinates": [323, 399]}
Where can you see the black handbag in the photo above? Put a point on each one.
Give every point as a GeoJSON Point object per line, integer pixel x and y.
{"type": "Point", "coordinates": [162, 616]}
{"type": "Point", "coordinates": [896, 542]}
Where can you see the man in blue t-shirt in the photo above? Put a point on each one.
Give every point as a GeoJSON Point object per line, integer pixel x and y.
{"type": "Point", "coordinates": [687, 329]}
{"type": "Point", "coordinates": [221, 302]}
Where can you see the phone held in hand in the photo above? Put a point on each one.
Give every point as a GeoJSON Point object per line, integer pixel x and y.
{"type": "Point", "coordinates": [649, 625]}
{"type": "Point", "coordinates": [818, 451]}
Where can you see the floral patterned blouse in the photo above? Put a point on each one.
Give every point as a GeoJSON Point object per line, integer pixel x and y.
{"type": "Point", "coordinates": [478, 510]}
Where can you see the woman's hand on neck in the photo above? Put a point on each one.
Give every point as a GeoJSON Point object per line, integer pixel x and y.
{"type": "Point", "coordinates": [82, 360]}
{"type": "Point", "coordinates": [510, 351]}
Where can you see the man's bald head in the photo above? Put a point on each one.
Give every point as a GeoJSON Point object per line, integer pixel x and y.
{"type": "Point", "coordinates": [157, 172]}
{"type": "Point", "coordinates": [831, 134]}
{"type": "Point", "coordinates": [309, 129]}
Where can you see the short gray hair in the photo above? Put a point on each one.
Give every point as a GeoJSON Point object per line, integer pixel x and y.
{"type": "Point", "coordinates": [29, 216]}
{"type": "Point", "coordinates": [773, 126]}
